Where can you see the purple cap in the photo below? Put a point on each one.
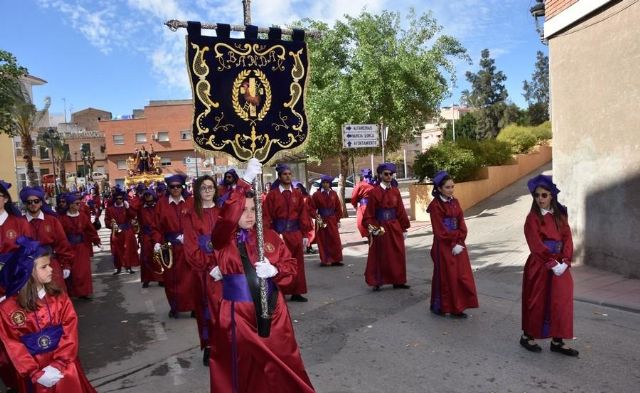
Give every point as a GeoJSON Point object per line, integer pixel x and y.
{"type": "Point", "coordinates": [18, 265]}
{"type": "Point", "coordinates": [386, 166]}
{"type": "Point", "coordinates": [177, 178]}
{"type": "Point", "coordinates": [161, 186]}
{"type": "Point", "coordinates": [71, 197]}
{"type": "Point", "coordinates": [5, 185]}
{"type": "Point", "coordinates": [140, 187]}
{"type": "Point", "coordinates": [281, 168]}
{"type": "Point", "coordinates": [365, 172]}
{"type": "Point", "coordinates": [545, 182]}
{"type": "Point", "coordinates": [326, 178]}
{"type": "Point", "coordinates": [439, 177]}
{"type": "Point", "coordinates": [31, 191]}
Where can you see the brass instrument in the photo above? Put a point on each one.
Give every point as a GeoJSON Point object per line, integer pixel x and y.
{"type": "Point", "coordinates": [115, 228]}
{"type": "Point", "coordinates": [375, 230]}
{"type": "Point", "coordinates": [160, 257]}
{"type": "Point", "coordinates": [136, 225]}
{"type": "Point", "coordinates": [320, 222]}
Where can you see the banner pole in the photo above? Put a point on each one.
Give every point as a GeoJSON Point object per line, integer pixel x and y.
{"type": "Point", "coordinates": [260, 235]}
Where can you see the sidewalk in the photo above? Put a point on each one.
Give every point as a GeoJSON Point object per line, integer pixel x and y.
{"type": "Point", "coordinates": [498, 248]}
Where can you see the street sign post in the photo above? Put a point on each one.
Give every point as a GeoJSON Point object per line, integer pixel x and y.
{"type": "Point", "coordinates": [359, 135]}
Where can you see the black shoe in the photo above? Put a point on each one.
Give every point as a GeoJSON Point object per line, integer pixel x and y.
{"type": "Point", "coordinates": [118, 271]}
{"type": "Point", "coordinates": [310, 250]}
{"type": "Point", "coordinates": [337, 264]}
{"type": "Point", "coordinates": [438, 313]}
{"type": "Point", "coordinates": [87, 298]}
{"type": "Point", "coordinates": [130, 271]}
{"type": "Point", "coordinates": [299, 298]}
{"type": "Point", "coordinates": [401, 286]}
{"type": "Point", "coordinates": [161, 284]}
{"type": "Point", "coordinates": [173, 314]}
{"type": "Point", "coordinates": [193, 314]}
{"type": "Point", "coordinates": [12, 390]}
{"type": "Point", "coordinates": [376, 288]}
{"type": "Point", "coordinates": [460, 315]}
{"type": "Point", "coordinates": [205, 357]}
{"type": "Point", "coordinates": [528, 343]}
{"type": "Point", "coordinates": [145, 284]}
{"type": "Point", "coordinates": [559, 346]}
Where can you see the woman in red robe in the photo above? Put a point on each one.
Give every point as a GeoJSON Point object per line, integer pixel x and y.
{"type": "Point", "coordinates": [198, 251]}
{"type": "Point", "coordinates": [453, 289]}
{"type": "Point", "coordinates": [147, 216]}
{"type": "Point", "coordinates": [12, 227]}
{"type": "Point", "coordinates": [329, 211]}
{"type": "Point", "coordinates": [243, 361]}
{"type": "Point", "coordinates": [386, 262]}
{"type": "Point", "coordinates": [547, 285]}
{"type": "Point", "coordinates": [39, 326]}
{"type": "Point", "coordinates": [310, 235]}
{"type": "Point", "coordinates": [360, 198]}
{"type": "Point", "coordinates": [82, 237]}
{"type": "Point", "coordinates": [124, 246]}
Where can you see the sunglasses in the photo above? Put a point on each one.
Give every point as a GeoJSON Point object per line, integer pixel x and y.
{"type": "Point", "coordinates": [207, 188]}
{"type": "Point", "coordinates": [32, 201]}
{"type": "Point", "coordinates": [387, 173]}
{"type": "Point", "coordinates": [542, 194]}
{"type": "Point", "coordinates": [174, 186]}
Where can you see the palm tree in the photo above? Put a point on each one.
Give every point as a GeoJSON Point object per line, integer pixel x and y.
{"type": "Point", "coordinates": [58, 154]}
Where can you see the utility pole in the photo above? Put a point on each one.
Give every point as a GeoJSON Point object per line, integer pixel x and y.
{"type": "Point", "coordinates": [453, 117]}
{"type": "Point", "coordinates": [246, 6]}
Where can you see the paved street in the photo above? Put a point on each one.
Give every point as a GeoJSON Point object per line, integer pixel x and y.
{"type": "Point", "coordinates": [355, 340]}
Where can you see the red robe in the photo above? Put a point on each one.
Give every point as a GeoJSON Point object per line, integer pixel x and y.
{"type": "Point", "coordinates": [82, 236]}
{"type": "Point", "coordinates": [360, 194]}
{"type": "Point", "coordinates": [199, 255]}
{"type": "Point", "coordinates": [279, 213]}
{"type": "Point", "coordinates": [124, 246]}
{"type": "Point", "coordinates": [311, 234]}
{"type": "Point", "coordinates": [453, 289]}
{"type": "Point", "coordinates": [241, 361]}
{"type": "Point", "coordinates": [149, 270]}
{"type": "Point", "coordinates": [180, 281]}
{"type": "Point", "coordinates": [386, 263]}
{"type": "Point", "coordinates": [10, 231]}
{"type": "Point", "coordinates": [547, 299]}
{"type": "Point", "coordinates": [49, 232]}
{"type": "Point", "coordinates": [15, 322]}
{"type": "Point", "coordinates": [329, 208]}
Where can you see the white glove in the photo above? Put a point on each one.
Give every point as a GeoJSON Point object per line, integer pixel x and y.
{"type": "Point", "coordinates": [305, 242]}
{"type": "Point", "coordinates": [2, 299]}
{"type": "Point", "coordinates": [126, 204]}
{"type": "Point", "coordinates": [156, 247]}
{"type": "Point", "coordinates": [66, 273]}
{"type": "Point", "coordinates": [265, 269]}
{"type": "Point", "coordinates": [254, 167]}
{"type": "Point", "coordinates": [457, 249]}
{"type": "Point", "coordinates": [180, 239]}
{"type": "Point", "coordinates": [50, 377]}
{"type": "Point", "coordinates": [405, 235]}
{"type": "Point", "coordinates": [559, 268]}
{"type": "Point", "coordinates": [216, 273]}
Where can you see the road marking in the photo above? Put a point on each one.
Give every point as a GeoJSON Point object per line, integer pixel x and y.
{"type": "Point", "coordinates": [176, 370]}
{"type": "Point", "coordinates": [161, 334]}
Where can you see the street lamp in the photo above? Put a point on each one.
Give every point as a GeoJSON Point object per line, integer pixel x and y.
{"type": "Point", "coordinates": [537, 11]}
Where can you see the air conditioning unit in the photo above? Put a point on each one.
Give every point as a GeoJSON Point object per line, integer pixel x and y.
{"type": "Point", "coordinates": [154, 137]}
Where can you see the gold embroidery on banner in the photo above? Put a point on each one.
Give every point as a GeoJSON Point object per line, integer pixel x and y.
{"type": "Point", "coordinates": [253, 91]}
{"type": "Point", "coordinates": [203, 88]}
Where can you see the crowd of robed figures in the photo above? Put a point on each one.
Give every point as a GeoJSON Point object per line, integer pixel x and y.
{"type": "Point", "coordinates": [214, 268]}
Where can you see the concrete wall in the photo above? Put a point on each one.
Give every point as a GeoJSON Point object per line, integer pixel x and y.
{"type": "Point", "coordinates": [595, 91]}
{"type": "Point", "coordinates": [469, 193]}
{"type": "Point", "coordinates": [7, 169]}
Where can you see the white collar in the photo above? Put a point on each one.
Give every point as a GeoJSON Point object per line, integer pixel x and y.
{"type": "Point", "coordinates": [3, 217]}
{"type": "Point", "coordinates": [326, 191]}
{"type": "Point", "coordinates": [285, 189]}
{"type": "Point", "coordinates": [116, 205]}
{"type": "Point", "coordinates": [171, 200]}
{"type": "Point", "coordinates": [72, 214]}
{"type": "Point", "coordinates": [545, 211]}
{"type": "Point", "coordinates": [445, 199]}
{"type": "Point", "coordinates": [41, 293]}
{"type": "Point", "coordinates": [385, 186]}
{"type": "Point", "coordinates": [40, 216]}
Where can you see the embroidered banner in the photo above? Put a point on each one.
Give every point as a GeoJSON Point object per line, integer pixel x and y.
{"type": "Point", "coordinates": [248, 93]}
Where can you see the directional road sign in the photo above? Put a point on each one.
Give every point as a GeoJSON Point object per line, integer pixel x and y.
{"type": "Point", "coordinates": [359, 135]}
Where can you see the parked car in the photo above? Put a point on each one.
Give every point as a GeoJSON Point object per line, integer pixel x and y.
{"type": "Point", "coordinates": [315, 186]}
{"type": "Point", "coordinates": [98, 177]}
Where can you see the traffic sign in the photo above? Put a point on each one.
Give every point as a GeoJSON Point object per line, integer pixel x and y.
{"type": "Point", "coordinates": [359, 135]}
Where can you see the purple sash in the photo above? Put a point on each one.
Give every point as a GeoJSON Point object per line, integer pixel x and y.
{"type": "Point", "coordinates": [147, 230]}
{"type": "Point", "coordinates": [282, 225]}
{"type": "Point", "coordinates": [204, 241]}
{"type": "Point", "coordinates": [451, 223]}
{"type": "Point", "coordinates": [554, 246]}
{"type": "Point", "coordinates": [75, 238]}
{"type": "Point", "coordinates": [172, 237]}
{"type": "Point", "coordinates": [235, 288]}
{"type": "Point", "coordinates": [44, 340]}
{"type": "Point", "coordinates": [125, 226]}
{"type": "Point", "coordinates": [364, 201]}
{"type": "Point", "coordinates": [326, 211]}
{"type": "Point", "coordinates": [383, 215]}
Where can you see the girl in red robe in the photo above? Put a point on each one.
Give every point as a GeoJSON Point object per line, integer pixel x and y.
{"type": "Point", "coordinates": [386, 262]}
{"type": "Point", "coordinates": [360, 198]}
{"type": "Point", "coordinates": [39, 326]}
{"type": "Point", "coordinates": [243, 361]}
{"type": "Point", "coordinates": [198, 251]}
{"type": "Point", "coordinates": [453, 289]}
{"type": "Point", "coordinates": [329, 211]}
{"type": "Point", "coordinates": [547, 286]}
{"type": "Point", "coordinates": [124, 246]}
{"type": "Point", "coordinates": [147, 216]}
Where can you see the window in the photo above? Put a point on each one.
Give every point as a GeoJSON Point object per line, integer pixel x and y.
{"type": "Point", "coordinates": [118, 139]}
{"type": "Point", "coordinates": [44, 153]}
{"type": "Point", "coordinates": [185, 135]}
{"type": "Point", "coordinates": [141, 137]}
{"type": "Point", "coordinates": [165, 162]}
{"type": "Point", "coordinates": [163, 136]}
{"type": "Point", "coordinates": [122, 164]}
{"type": "Point", "coordinates": [67, 152]}
{"type": "Point", "coordinates": [86, 148]}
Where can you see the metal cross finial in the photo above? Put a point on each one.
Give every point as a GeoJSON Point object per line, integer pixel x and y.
{"type": "Point", "coordinates": [246, 6]}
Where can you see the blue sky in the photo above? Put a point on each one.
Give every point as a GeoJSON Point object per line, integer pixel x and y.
{"type": "Point", "coordinates": [116, 55]}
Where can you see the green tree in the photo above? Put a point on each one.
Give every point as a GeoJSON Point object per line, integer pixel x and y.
{"type": "Point", "coordinates": [465, 128]}
{"type": "Point", "coordinates": [369, 69]}
{"type": "Point", "coordinates": [488, 94]}
{"type": "Point", "coordinates": [57, 152]}
{"type": "Point", "coordinates": [10, 73]}
{"type": "Point", "coordinates": [536, 91]}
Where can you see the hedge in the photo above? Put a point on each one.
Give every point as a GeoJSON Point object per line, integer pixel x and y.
{"type": "Point", "coordinates": [522, 139]}
{"type": "Point", "coordinates": [461, 163]}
